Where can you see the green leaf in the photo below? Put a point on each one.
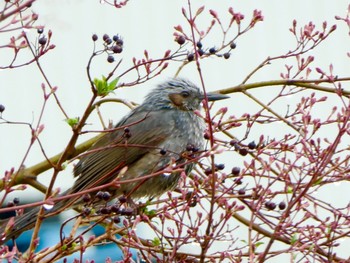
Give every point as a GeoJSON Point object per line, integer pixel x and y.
{"type": "Point", "coordinates": [257, 244]}
{"type": "Point", "coordinates": [150, 213]}
{"type": "Point", "coordinates": [156, 241]}
{"type": "Point", "coordinates": [72, 121]}
{"type": "Point", "coordinates": [73, 246]}
{"type": "Point", "coordinates": [294, 239]}
{"type": "Point", "coordinates": [102, 86]}
{"type": "Point", "coordinates": [318, 181]}
{"type": "Point", "coordinates": [113, 83]}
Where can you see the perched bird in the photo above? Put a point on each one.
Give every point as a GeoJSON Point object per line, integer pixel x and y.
{"type": "Point", "coordinates": [152, 137]}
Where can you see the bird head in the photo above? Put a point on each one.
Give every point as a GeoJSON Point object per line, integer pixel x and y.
{"type": "Point", "coordinates": [179, 94]}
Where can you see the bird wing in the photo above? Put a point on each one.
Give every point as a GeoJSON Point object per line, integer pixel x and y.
{"type": "Point", "coordinates": [148, 130]}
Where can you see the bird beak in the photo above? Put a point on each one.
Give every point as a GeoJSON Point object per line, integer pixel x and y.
{"type": "Point", "coordinates": [216, 96]}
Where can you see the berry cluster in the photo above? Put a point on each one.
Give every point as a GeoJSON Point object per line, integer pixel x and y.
{"type": "Point", "coordinates": [181, 40]}
{"type": "Point", "coordinates": [112, 45]}
{"type": "Point", "coordinates": [269, 205]}
{"type": "Point", "coordinates": [113, 209]}
{"type": "Point", "coordinates": [243, 150]}
{"type": "Point", "coordinates": [217, 167]}
{"type": "Point", "coordinates": [44, 40]}
{"type": "Point", "coordinates": [192, 148]}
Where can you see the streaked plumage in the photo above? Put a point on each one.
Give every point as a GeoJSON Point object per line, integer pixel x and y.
{"type": "Point", "coordinates": [152, 137]}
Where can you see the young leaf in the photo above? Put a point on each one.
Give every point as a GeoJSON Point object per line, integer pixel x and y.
{"type": "Point", "coordinates": [72, 121]}
{"type": "Point", "coordinates": [103, 88]}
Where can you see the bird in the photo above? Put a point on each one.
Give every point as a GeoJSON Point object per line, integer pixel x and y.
{"type": "Point", "coordinates": [142, 149]}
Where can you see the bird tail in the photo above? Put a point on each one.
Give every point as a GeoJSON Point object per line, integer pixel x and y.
{"type": "Point", "coordinates": [11, 229]}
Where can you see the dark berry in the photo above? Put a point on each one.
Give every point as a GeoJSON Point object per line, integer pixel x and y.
{"type": "Point", "coordinates": [180, 40]}
{"type": "Point", "coordinates": [115, 208]}
{"type": "Point", "coordinates": [94, 37]}
{"type": "Point", "coordinates": [241, 191]}
{"type": "Point", "coordinates": [233, 45]}
{"type": "Point", "coordinates": [199, 45]}
{"type": "Point", "coordinates": [127, 130]}
{"type": "Point", "coordinates": [10, 204]}
{"type": "Point", "coordinates": [212, 50]}
{"type": "Point", "coordinates": [105, 210]}
{"type": "Point", "coordinates": [115, 38]}
{"type": "Point", "coordinates": [105, 37]}
{"type": "Point", "coordinates": [117, 49]}
{"type": "Point", "coordinates": [233, 142]}
{"type": "Point", "coordinates": [119, 42]}
{"type": "Point", "coordinates": [189, 147]}
{"type": "Point", "coordinates": [116, 219]}
{"type": "Point", "coordinates": [236, 170]}
{"type": "Point", "coordinates": [86, 211]}
{"type": "Point", "coordinates": [16, 200]}
{"type": "Point", "coordinates": [122, 199]}
{"type": "Point", "coordinates": [227, 55]}
{"type": "Point", "coordinates": [99, 195]}
{"type": "Point", "coordinates": [195, 149]}
{"type": "Point", "coordinates": [238, 181]}
{"type": "Point", "coordinates": [200, 52]}
{"type": "Point", "coordinates": [42, 41]}
{"type": "Point", "coordinates": [106, 196]}
{"type": "Point", "coordinates": [40, 30]}
{"type": "Point", "coordinates": [86, 198]}
{"type": "Point", "coordinates": [110, 59]}
{"type": "Point", "coordinates": [220, 166]}
{"type": "Point", "coordinates": [206, 136]}
{"type": "Point", "coordinates": [162, 151]}
{"type": "Point", "coordinates": [243, 151]}
{"type": "Point", "coordinates": [2, 108]}
{"type": "Point", "coordinates": [252, 145]}
{"type": "Point", "coordinates": [108, 41]}
{"type": "Point", "coordinates": [282, 205]}
{"type": "Point", "coordinates": [208, 171]}
{"type": "Point", "coordinates": [190, 57]}
{"type": "Point", "coordinates": [193, 203]}
{"type": "Point", "coordinates": [128, 211]}
{"type": "Point", "coordinates": [270, 205]}
{"type": "Point", "coordinates": [237, 147]}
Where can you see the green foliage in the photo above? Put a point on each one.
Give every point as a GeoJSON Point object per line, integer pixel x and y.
{"type": "Point", "coordinates": [294, 239]}
{"type": "Point", "coordinates": [156, 241]}
{"type": "Point", "coordinates": [102, 86]}
{"type": "Point", "coordinates": [290, 190]}
{"type": "Point", "coordinates": [146, 211]}
{"type": "Point", "coordinates": [319, 181]}
{"type": "Point", "coordinates": [72, 121]}
{"type": "Point", "coordinates": [257, 244]}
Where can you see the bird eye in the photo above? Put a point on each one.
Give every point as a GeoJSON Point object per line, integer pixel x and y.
{"type": "Point", "coordinates": [185, 94]}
